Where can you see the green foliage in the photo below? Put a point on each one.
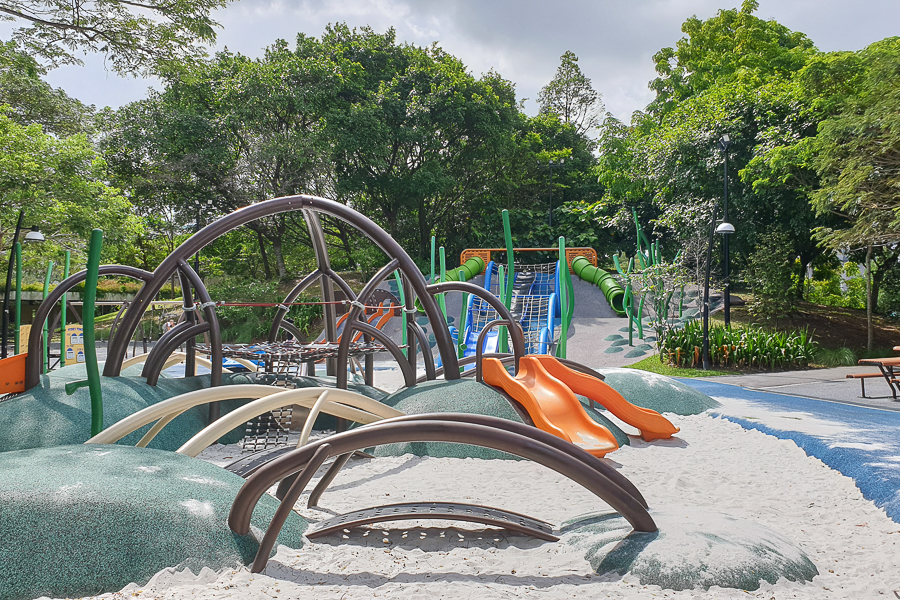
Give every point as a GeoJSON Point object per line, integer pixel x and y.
{"type": "Point", "coordinates": [838, 357]}
{"type": "Point", "coordinates": [571, 96]}
{"type": "Point", "coordinates": [858, 157]}
{"type": "Point", "coordinates": [737, 347]}
{"type": "Point", "coordinates": [32, 100]}
{"type": "Point", "coordinates": [246, 324]}
{"type": "Point", "coordinates": [137, 37]}
{"type": "Point", "coordinates": [769, 273]}
{"type": "Point", "coordinates": [829, 292]}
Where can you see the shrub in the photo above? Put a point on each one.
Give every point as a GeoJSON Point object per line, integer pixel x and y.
{"type": "Point", "coordinates": [741, 347]}
{"type": "Point", "coordinates": [246, 324]}
{"type": "Point", "coordinates": [769, 273]}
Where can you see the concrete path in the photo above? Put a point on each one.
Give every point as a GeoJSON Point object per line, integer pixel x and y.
{"type": "Point", "coordinates": [822, 384]}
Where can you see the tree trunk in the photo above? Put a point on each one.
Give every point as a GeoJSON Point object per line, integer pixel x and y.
{"type": "Point", "coordinates": [262, 253]}
{"type": "Point", "coordinates": [279, 257]}
{"type": "Point", "coordinates": [870, 339]}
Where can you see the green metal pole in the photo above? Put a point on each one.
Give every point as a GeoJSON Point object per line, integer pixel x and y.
{"type": "Point", "coordinates": [18, 251]}
{"type": "Point", "coordinates": [403, 312]}
{"type": "Point", "coordinates": [62, 314]}
{"type": "Point", "coordinates": [441, 300]}
{"type": "Point", "coordinates": [565, 291]}
{"type": "Point", "coordinates": [46, 348]}
{"type": "Point", "coordinates": [506, 297]}
{"type": "Point", "coordinates": [461, 326]}
{"type": "Point", "coordinates": [90, 349]}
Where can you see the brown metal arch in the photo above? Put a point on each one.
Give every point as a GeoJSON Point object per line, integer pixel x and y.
{"type": "Point", "coordinates": [516, 337]}
{"type": "Point", "coordinates": [196, 242]}
{"type": "Point", "coordinates": [432, 428]}
{"type": "Point", "coordinates": [152, 369]}
{"type": "Point", "coordinates": [35, 340]}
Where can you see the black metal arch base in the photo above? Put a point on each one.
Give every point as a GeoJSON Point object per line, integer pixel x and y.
{"type": "Point", "coordinates": [488, 432]}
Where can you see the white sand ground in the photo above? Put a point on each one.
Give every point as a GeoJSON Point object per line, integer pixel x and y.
{"type": "Point", "coordinates": [712, 466]}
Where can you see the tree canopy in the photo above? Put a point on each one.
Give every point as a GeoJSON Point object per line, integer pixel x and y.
{"type": "Point", "coordinates": [137, 37]}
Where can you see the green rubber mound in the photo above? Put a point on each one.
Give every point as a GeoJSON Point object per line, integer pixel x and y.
{"type": "Point", "coordinates": [46, 416]}
{"type": "Point", "coordinates": [692, 549]}
{"type": "Point", "coordinates": [461, 395]}
{"type": "Point", "coordinates": [89, 519]}
{"type": "Point", "coordinates": [657, 392]}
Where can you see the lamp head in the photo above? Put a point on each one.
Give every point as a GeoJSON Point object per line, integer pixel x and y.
{"type": "Point", "coordinates": [34, 235]}
{"type": "Point", "coordinates": [724, 142]}
{"type": "Point", "coordinates": [725, 228]}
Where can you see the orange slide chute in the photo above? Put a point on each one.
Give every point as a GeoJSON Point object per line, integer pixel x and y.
{"type": "Point", "coordinates": [12, 374]}
{"type": "Point", "coordinates": [550, 403]}
{"type": "Point", "coordinates": [652, 425]}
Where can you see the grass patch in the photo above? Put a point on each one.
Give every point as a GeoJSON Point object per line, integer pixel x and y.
{"type": "Point", "coordinates": [652, 364]}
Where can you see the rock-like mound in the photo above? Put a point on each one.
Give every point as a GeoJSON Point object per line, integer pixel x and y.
{"type": "Point", "coordinates": [88, 519]}
{"type": "Point", "coordinates": [460, 395]}
{"type": "Point", "coordinates": [657, 392]}
{"type": "Point", "coordinates": [691, 550]}
{"type": "Point", "coordinates": [46, 416]}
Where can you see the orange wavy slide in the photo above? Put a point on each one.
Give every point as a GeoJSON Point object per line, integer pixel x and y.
{"type": "Point", "coordinates": [550, 403]}
{"type": "Point", "coordinates": [651, 424]}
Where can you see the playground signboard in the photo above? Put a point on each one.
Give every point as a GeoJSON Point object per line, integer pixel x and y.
{"type": "Point", "coordinates": [73, 343]}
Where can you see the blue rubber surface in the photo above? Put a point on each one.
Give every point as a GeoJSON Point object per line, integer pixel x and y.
{"type": "Point", "coordinates": [859, 442]}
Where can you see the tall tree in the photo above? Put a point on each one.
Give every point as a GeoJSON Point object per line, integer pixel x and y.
{"type": "Point", "coordinates": [571, 96]}
{"type": "Point", "coordinates": [414, 134]}
{"type": "Point", "coordinates": [137, 36]}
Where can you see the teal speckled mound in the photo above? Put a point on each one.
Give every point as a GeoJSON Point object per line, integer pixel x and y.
{"type": "Point", "coordinates": [657, 392]}
{"type": "Point", "coordinates": [88, 519]}
{"type": "Point", "coordinates": [461, 395]}
{"type": "Point", "coordinates": [46, 416]}
{"type": "Point", "coordinates": [692, 549]}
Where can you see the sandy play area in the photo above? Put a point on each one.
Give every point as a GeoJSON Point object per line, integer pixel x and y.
{"type": "Point", "coordinates": [713, 468]}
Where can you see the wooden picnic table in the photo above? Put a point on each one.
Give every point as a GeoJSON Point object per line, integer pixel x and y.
{"type": "Point", "coordinates": [890, 369]}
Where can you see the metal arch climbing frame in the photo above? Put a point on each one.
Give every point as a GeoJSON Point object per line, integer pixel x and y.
{"type": "Point", "coordinates": [196, 242]}
{"type": "Point", "coordinates": [603, 468]}
{"type": "Point", "coordinates": [434, 427]}
{"type": "Point", "coordinates": [154, 364]}
{"type": "Point", "coordinates": [515, 333]}
{"type": "Point", "coordinates": [35, 341]}
{"type": "Point", "coordinates": [509, 323]}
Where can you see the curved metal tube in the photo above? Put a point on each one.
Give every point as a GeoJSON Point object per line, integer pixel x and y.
{"type": "Point", "coordinates": [409, 375]}
{"type": "Point", "coordinates": [353, 318]}
{"type": "Point", "coordinates": [196, 242]}
{"type": "Point", "coordinates": [602, 467]}
{"type": "Point", "coordinates": [427, 358]}
{"type": "Point", "coordinates": [292, 295]}
{"type": "Point", "coordinates": [287, 505]}
{"type": "Point", "coordinates": [153, 365]}
{"type": "Point", "coordinates": [36, 339]}
{"type": "Point", "coordinates": [437, 427]}
{"type": "Point", "coordinates": [163, 340]}
{"type": "Point", "coordinates": [516, 337]}
{"type": "Point", "coordinates": [215, 334]}
{"type": "Point", "coordinates": [511, 325]}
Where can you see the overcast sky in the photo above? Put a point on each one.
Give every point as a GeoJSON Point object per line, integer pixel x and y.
{"type": "Point", "coordinates": [523, 39]}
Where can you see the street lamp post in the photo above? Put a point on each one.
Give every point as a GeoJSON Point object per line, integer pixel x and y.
{"type": "Point", "coordinates": [723, 144]}
{"type": "Point", "coordinates": [32, 236]}
{"type": "Point", "coordinates": [725, 229]}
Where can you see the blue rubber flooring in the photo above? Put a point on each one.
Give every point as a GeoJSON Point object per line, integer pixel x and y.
{"type": "Point", "coordinates": [860, 442]}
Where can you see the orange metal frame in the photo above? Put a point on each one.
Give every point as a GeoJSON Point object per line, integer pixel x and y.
{"type": "Point", "coordinates": [571, 254]}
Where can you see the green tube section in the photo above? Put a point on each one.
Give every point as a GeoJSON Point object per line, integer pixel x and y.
{"type": "Point", "coordinates": [467, 270]}
{"type": "Point", "coordinates": [608, 285]}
